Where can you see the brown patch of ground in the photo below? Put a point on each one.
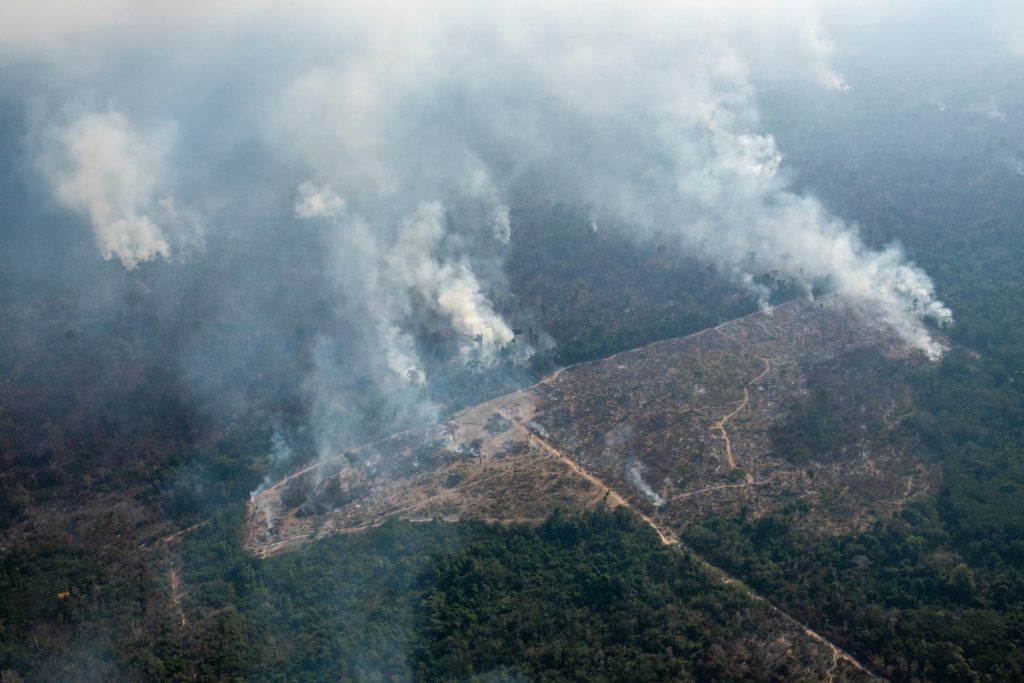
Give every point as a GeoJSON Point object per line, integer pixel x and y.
{"type": "Point", "coordinates": [683, 428]}
{"type": "Point", "coordinates": [677, 430]}
{"type": "Point", "coordinates": [484, 462]}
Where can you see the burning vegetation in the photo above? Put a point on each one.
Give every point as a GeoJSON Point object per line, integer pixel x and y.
{"type": "Point", "coordinates": [719, 421]}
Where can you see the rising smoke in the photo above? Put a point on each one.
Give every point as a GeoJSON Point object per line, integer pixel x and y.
{"type": "Point", "coordinates": [398, 135]}
{"type": "Point", "coordinates": [105, 169]}
{"type": "Point", "coordinates": [647, 117]}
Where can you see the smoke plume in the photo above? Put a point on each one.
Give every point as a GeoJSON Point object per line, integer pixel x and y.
{"type": "Point", "coordinates": [318, 202]}
{"type": "Point", "coordinates": [648, 118]}
{"type": "Point", "coordinates": [104, 168]}
{"type": "Point", "coordinates": [397, 138]}
{"type": "Point", "coordinates": [449, 287]}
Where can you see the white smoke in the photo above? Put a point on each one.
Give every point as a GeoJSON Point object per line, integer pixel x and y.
{"type": "Point", "coordinates": [647, 118]}
{"type": "Point", "coordinates": [361, 268]}
{"type": "Point", "coordinates": [481, 187]}
{"type": "Point", "coordinates": [419, 123]}
{"type": "Point", "coordinates": [280, 455]}
{"type": "Point", "coordinates": [989, 109]}
{"type": "Point", "coordinates": [318, 201]}
{"type": "Point", "coordinates": [502, 224]}
{"type": "Point", "coordinates": [102, 166]}
{"type": "Point", "coordinates": [936, 99]}
{"type": "Point", "coordinates": [396, 276]}
{"type": "Point", "coordinates": [820, 51]}
{"type": "Point", "coordinates": [447, 286]}
{"type": "Point", "coordinates": [637, 479]}
{"type": "Point", "coordinates": [616, 442]}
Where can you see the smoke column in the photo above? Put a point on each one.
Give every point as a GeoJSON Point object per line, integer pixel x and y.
{"type": "Point", "coordinates": [400, 135]}
{"type": "Point", "coordinates": [105, 169]}
{"type": "Point", "coordinates": [646, 114]}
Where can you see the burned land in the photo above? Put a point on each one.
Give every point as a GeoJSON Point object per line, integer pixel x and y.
{"type": "Point", "coordinates": [722, 422]}
{"type": "Point", "coordinates": [716, 422]}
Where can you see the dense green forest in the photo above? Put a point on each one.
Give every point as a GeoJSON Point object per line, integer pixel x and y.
{"type": "Point", "coordinates": [938, 593]}
{"type": "Point", "coordinates": [934, 593]}
{"type": "Point", "coordinates": [587, 598]}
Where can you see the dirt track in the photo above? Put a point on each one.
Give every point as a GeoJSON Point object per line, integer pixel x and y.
{"type": "Point", "coordinates": [720, 425]}
{"type": "Point", "coordinates": [687, 406]}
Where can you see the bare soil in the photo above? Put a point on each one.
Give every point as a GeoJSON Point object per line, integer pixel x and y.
{"type": "Point", "coordinates": [676, 430]}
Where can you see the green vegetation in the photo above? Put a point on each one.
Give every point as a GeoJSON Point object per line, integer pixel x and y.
{"type": "Point", "coordinates": [937, 593]}
{"type": "Point", "coordinates": [900, 597]}
{"type": "Point", "coordinates": [588, 598]}
{"type": "Point", "coordinates": [66, 615]}
{"type": "Point", "coordinates": [598, 292]}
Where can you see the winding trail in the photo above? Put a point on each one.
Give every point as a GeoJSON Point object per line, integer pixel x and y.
{"type": "Point", "coordinates": [613, 496]}
{"type": "Point", "coordinates": [909, 487]}
{"type": "Point", "coordinates": [669, 538]}
{"type": "Point", "coordinates": [666, 536]}
{"type": "Point", "coordinates": [720, 425]}
{"type": "Point", "coordinates": [175, 536]}
{"type": "Point", "coordinates": [177, 594]}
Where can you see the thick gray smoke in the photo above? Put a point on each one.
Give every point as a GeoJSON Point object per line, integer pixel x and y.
{"type": "Point", "coordinates": [317, 201]}
{"type": "Point", "coordinates": [450, 288]}
{"type": "Point", "coordinates": [645, 114]}
{"type": "Point", "coordinates": [104, 168]}
{"type": "Point", "coordinates": [399, 135]}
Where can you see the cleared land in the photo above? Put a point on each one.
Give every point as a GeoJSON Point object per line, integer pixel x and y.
{"type": "Point", "coordinates": [677, 430]}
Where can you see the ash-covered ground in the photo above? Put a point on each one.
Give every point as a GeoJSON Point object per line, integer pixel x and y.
{"type": "Point", "coordinates": [710, 423]}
